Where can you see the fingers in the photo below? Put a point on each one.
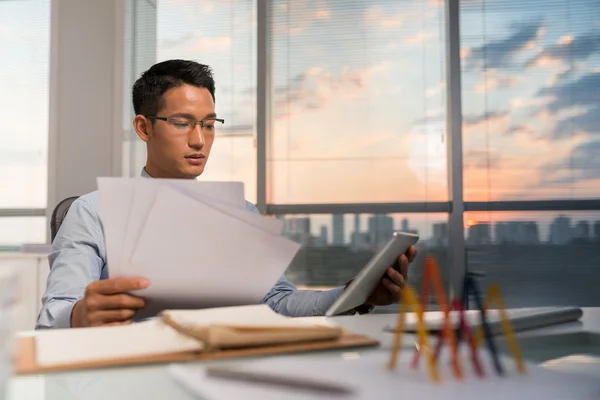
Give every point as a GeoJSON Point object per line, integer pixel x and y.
{"type": "Point", "coordinates": [393, 288]}
{"type": "Point", "coordinates": [403, 265]}
{"type": "Point", "coordinates": [395, 277]}
{"type": "Point", "coordinates": [110, 317]}
{"type": "Point", "coordinates": [115, 301]}
{"type": "Point", "coordinates": [411, 253]}
{"type": "Point", "coordinates": [117, 285]}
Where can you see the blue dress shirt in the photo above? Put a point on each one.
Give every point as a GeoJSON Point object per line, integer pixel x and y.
{"type": "Point", "coordinates": [78, 257]}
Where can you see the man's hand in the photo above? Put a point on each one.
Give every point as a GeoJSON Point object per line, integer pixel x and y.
{"type": "Point", "coordinates": [106, 303]}
{"type": "Point", "coordinates": [389, 288]}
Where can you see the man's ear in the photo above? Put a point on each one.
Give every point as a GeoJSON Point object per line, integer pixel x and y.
{"type": "Point", "coordinates": [142, 127]}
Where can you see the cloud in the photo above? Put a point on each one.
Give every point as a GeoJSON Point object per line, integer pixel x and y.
{"type": "Point", "coordinates": [481, 159]}
{"type": "Point", "coordinates": [494, 81]}
{"type": "Point", "coordinates": [500, 53]}
{"type": "Point", "coordinates": [581, 92]}
{"type": "Point", "coordinates": [581, 165]}
{"type": "Point", "coordinates": [587, 122]}
{"type": "Point", "coordinates": [471, 120]}
{"type": "Point", "coordinates": [579, 101]}
{"type": "Point", "coordinates": [418, 38]}
{"type": "Point", "coordinates": [312, 89]}
{"type": "Point", "coordinates": [568, 49]}
{"type": "Point", "coordinates": [374, 15]}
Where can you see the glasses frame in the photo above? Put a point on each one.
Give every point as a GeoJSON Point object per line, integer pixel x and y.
{"type": "Point", "coordinates": [194, 121]}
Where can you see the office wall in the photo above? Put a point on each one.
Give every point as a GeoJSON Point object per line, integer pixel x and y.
{"type": "Point", "coordinates": [86, 74]}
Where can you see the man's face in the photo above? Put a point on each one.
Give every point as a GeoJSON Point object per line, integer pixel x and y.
{"type": "Point", "coordinates": [173, 150]}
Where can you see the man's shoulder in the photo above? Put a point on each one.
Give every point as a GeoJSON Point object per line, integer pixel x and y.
{"type": "Point", "coordinates": [89, 201]}
{"type": "Point", "coordinates": [251, 207]}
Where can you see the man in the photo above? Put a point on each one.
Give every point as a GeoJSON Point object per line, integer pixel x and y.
{"type": "Point", "coordinates": [175, 117]}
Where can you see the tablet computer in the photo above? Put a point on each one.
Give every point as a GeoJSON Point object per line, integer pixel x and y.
{"type": "Point", "coordinates": [367, 280]}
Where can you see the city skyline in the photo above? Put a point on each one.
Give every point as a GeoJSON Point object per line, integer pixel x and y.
{"type": "Point", "coordinates": [562, 230]}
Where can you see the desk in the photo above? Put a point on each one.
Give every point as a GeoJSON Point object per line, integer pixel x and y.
{"type": "Point", "coordinates": [154, 382]}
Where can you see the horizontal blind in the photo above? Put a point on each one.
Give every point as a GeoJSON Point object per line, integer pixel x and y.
{"type": "Point", "coordinates": [357, 102]}
{"type": "Point", "coordinates": [531, 108]}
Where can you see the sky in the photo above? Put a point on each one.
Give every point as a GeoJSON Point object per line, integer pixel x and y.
{"type": "Point", "coordinates": [358, 98]}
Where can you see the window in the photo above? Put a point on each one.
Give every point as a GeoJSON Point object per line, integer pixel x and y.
{"type": "Point", "coordinates": [357, 102]}
{"type": "Point", "coordinates": [336, 247]}
{"type": "Point", "coordinates": [538, 258]}
{"type": "Point", "coordinates": [24, 49]}
{"type": "Point", "coordinates": [24, 72]}
{"type": "Point", "coordinates": [222, 35]}
{"type": "Point", "coordinates": [531, 106]}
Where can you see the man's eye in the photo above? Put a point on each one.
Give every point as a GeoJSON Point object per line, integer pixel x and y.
{"type": "Point", "coordinates": [180, 124]}
{"type": "Point", "coordinates": [209, 127]}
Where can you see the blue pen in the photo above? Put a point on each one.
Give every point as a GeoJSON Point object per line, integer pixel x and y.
{"type": "Point", "coordinates": [486, 328]}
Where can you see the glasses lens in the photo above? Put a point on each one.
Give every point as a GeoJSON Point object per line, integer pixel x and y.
{"type": "Point", "coordinates": [182, 124]}
{"type": "Point", "coordinates": [211, 125]}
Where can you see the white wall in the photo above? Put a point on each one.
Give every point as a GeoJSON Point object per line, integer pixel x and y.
{"type": "Point", "coordinates": [86, 101]}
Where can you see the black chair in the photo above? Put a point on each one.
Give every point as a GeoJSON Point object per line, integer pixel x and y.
{"type": "Point", "coordinates": [59, 213]}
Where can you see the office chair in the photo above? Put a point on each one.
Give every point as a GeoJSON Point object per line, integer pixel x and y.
{"type": "Point", "coordinates": [58, 215]}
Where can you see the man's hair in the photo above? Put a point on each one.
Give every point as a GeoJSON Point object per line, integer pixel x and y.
{"type": "Point", "coordinates": [149, 89]}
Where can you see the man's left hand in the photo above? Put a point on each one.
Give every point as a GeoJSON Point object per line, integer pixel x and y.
{"type": "Point", "coordinates": [390, 287]}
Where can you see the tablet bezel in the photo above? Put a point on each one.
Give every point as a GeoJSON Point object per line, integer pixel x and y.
{"type": "Point", "coordinates": [367, 280]}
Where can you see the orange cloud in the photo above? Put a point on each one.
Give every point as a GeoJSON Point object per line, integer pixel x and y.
{"type": "Point", "coordinates": [418, 38]}
{"type": "Point", "coordinates": [375, 16]}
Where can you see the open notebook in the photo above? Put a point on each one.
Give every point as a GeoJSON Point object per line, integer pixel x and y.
{"type": "Point", "coordinates": [182, 335]}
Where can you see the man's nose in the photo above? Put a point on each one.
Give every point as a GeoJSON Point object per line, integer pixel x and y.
{"type": "Point", "coordinates": [196, 138]}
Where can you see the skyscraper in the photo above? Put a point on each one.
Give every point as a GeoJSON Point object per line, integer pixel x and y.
{"type": "Point", "coordinates": [338, 229]}
{"type": "Point", "coordinates": [381, 228]}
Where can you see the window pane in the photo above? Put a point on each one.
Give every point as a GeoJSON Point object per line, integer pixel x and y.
{"type": "Point", "coordinates": [222, 35]}
{"type": "Point", "coordinates": [531, 107]}
{"type": "Point", "coordinates": [24, 70]}
{"type": "Point", "coordinates": [15, 231]}
{"type": "Point", "coordinates": [357, 102]}
{"type": "Point", "coordinates": [538, 258]}
{"type": "Point", "coordinates": [336, 247]}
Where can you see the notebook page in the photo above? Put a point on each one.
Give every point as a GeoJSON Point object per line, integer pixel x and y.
{"type": "Point", "coordinates": [75, 345]}
{"type": "Point", "coordinates": [252, 315]}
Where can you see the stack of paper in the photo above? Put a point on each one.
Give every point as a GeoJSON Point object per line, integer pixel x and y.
{"type": "Point", "coordinates": [195, 242]}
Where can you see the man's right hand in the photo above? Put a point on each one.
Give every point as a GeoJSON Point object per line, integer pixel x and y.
{"type": "Point", "coordinates": [106, 302]}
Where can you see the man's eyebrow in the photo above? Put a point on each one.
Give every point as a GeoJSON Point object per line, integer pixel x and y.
{"type": "Point", "coordinates": [190, 116]}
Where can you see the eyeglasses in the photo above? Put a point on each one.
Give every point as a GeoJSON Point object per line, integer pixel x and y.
{"type": "Point", "coordinates": [186, 125]}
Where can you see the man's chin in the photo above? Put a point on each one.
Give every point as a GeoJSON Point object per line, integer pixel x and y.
{"type": "Point", "coordinates": [192, 172]}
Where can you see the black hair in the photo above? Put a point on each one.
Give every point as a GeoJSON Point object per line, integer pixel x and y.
{"type": "Point", "coordinates": [149, 89]}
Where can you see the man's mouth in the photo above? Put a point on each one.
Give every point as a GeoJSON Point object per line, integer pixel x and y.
{"type": "Point", "coordinates": [196, 156]}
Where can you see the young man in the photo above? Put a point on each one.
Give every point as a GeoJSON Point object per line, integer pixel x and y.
{"type": "Point", "coordinates": [174, 103]}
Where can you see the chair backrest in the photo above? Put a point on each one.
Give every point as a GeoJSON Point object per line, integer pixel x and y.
{"type": "Point", "coordinates": [59, 213]}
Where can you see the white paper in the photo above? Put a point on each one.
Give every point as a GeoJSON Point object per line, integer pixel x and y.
{"type": "Point", "coordinates": [190, 252]}
{"type": "Point", "coordinates": [228, 194]}
{"type": "Point", "coordinates": [114, 201]}
{"type": "Point", "coordinates": [252, 315]}
{"type": "Point", "coordinates": [369, 378]}
{"type": "Point", "coordinates": [153, 337]}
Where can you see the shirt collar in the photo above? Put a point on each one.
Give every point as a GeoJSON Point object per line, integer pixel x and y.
{"type": "Point", "coordinates": [145, 173]}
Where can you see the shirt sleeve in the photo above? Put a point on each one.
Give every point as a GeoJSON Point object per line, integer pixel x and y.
{"type": "Point", "coordinates": [76, 260]}
{"type": "Point", "coordinates": [285, 299]}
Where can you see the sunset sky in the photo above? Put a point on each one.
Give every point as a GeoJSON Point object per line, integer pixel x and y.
{"type": "Point", "coordinates": [357, 101]}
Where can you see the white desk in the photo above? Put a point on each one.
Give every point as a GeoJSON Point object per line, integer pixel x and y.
{"type": "Point", "coordinates": [32, 270]}
{"type": "Point", "coordinates": [154, 382]}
